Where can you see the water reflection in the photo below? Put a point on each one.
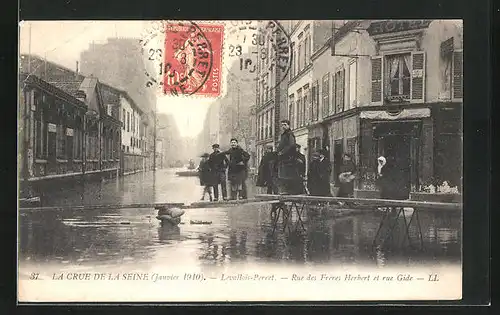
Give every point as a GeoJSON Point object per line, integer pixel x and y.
{"type": "Point", "coordinates": [236, 235]}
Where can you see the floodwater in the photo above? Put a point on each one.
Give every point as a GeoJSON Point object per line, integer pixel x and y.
{"type": "Point", "coordinates": [73, 239]}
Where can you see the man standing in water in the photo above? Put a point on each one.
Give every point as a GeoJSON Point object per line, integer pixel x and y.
{"type": "Point", "coordinates": [218, 163]}
{"type": "Point", "coordinates": [287, 156]}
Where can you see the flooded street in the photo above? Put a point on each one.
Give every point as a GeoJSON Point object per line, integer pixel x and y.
{"type": "Point", "coordinates": [72, 239]}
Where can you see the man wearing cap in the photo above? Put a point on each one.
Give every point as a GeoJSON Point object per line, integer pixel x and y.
{"type": "Point", "coordinates": [218, 163]}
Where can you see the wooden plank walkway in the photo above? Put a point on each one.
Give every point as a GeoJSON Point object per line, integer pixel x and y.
{"type": "Point", "coordinates": [262, 199]}
{"type": "Point", "coordinates": [365, 201]}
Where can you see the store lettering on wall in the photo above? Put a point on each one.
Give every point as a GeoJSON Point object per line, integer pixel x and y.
{"type": "Point", "coordinates": [384, 27]}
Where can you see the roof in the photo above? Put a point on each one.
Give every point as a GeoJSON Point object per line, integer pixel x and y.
{"type": "Point", "coordinates": [70, 87]}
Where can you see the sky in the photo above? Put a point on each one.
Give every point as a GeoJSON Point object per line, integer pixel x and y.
{"type": "Point", "coordinates": [63, 41]}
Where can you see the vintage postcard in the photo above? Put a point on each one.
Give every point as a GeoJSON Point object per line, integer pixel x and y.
{"type": "Point", "coordinates": [259, 161]}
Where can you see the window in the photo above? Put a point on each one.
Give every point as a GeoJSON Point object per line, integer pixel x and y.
{"type": "Point", "coordinates": [446, 75]}
{"type": "Point", "coordinates": [40, 128]}
{"type": "Point", "coordinates": [352, 84]}
{"type": "Point", "coordinates": [123, 119]}
{"type": "Point", "coordinates": [315, 102]}
{"type": "Point", "coordinates": [258, 128]}
{"type": "Point", "coordinates": [339, 91]}
{"type": "Point", "coordinates": [325, 94]}
{"type": "Point", "coordinates": [398, 76]}
{"type": "Point", "coordinates": [263, 124]}
{"type": "Point", "coordinates": [271, 122]}
{"type": "Point", "coordinates": [133, 123]}
{"type": "Point", "coordinates": [307, 105]}
{"type": "Point", "coordinates": [128, 122]}
{"type": "Point", "coordinates": [61, 142]}
{"type": "Point", "coordinates": [266, 124]}
{"type": "Point", "coordinates": [306, 50]}
{"type": "Point", "coordinates": [109, 109]}
{"type": "Point", "coordinates": [301, 56]}
{"type": "Point", "coordinates": [450, 71]}
{"type": "Point", "coordinates": [291, 104]}
{"type": "Point", "coordinates": [268, 52]}
{"type": "Point", "coordinates": [77, 140]}
{"type": "Point", "coordinates": [294, 57]}
{"type": "Point", "coordinates": [299, 108]}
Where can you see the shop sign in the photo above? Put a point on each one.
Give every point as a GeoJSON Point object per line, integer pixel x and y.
{"type": "Point", "coordinates": [384, 27]}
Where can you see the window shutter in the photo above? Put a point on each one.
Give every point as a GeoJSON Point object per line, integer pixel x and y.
{"type": "Point", "coordinates": [342, 89]}
{"type": "Point", "coordinates": [458, 76]}
{"type": "Point", "coordinates": [377, 80]}
{"type": "Point", "coordinates": [417, 84]}
{"type": "Point", "coordinates": [333, 108]}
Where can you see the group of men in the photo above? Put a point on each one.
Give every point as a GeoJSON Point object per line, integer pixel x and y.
{"type": "Point", "coordinates": [214, 167]}
{"type": "Point", "coordinates": [283, 171]}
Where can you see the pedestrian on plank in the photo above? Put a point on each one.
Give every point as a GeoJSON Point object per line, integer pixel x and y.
{"type": "Point", "coordinates": [318, 175]}
{"type": "Point", "coordinates": [346, 177]}
{"type": "Point", "coordinates": [219, 163]}
{"type": "Point", "coordinates": [238, 159]}
{"type": "Point", "coordinates": [267, 174]}
{"type": "Point", "coordinates": [287, 160]}
{"type": "Point", "coordinates": [207, 176]}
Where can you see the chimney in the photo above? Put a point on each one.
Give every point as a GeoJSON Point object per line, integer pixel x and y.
{"type": "Point", "coordinates": [77, 70]}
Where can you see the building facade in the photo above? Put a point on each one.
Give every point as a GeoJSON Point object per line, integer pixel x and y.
{"type": "Point", "coordinates": [271, 94]}
{"type": "Point", "coordinates": [134, 137]}
{"type": "Point", "coordinates": [376, 87]}
{"type": "Point", "coordinates": [393, 88]}
{"type": "Point", "coordinates": [65, 131]}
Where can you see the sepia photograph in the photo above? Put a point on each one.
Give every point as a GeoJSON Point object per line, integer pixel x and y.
{"type": "Point", "coordinates": [240, 160]}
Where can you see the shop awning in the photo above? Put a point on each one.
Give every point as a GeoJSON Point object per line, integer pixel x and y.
{"type": "Point", "coordinates": [404, 114]}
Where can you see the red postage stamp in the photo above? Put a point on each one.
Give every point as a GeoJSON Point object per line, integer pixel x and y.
{"type": "Point", "coordinates": [193, 59]}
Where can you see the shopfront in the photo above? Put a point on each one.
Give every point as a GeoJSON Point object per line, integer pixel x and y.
{"type": "Point", "coordinates": [343, 138]}
{"type": "Point", "coordinates": [405, 139]}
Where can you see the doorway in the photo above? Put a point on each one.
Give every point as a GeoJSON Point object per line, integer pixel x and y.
{"type": "Point", "coordinates": [396, 149]}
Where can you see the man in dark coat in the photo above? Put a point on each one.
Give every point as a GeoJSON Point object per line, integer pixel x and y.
{"type": "Point", "coordinates": [301, 171]}
{"type": "Point", "coordinates": [238, 159]}
{"type": "Point", "coordinates": [267, 173]}
{"type": "Point", "coordinates": [218, 163]}
{"type": "Point", "coordinates": [207, 176]}
{"type": "Point", "coordinates": [287, 156]}
{"type": "Point", "coordinates": [318, 175]}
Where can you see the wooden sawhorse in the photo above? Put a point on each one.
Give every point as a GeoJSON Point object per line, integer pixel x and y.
{"type": "Point", "coordinates": [286, 211]}
{"type": "Point", "coordinates": [391, 218]}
